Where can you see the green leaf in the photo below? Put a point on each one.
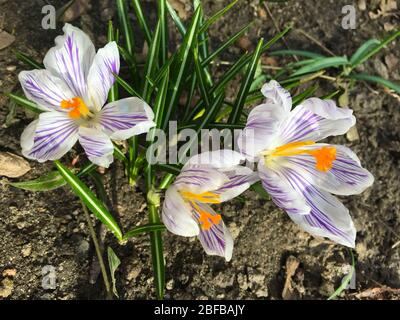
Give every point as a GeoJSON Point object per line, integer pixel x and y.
{"type": "Point", "coordinates": [144, 229]}
{"type": "Point", "coordinates": [169, 168]}
{"type": "Point", "coordinates": [113, 262]}
{"type": "Point", "coordinates": [216, 16]}
{"type": "Point", "coordinates": [90, 200]}
{"type": "Point", "coordinates": [47, 182]}
{"type": "Point", "coordinates": [162, 16]}
{"type": "Point", "coordinates": [257, 187]}
{"type": "Point", "coordinates": [28, 60]}
{"type": "Point", "coordinates": [176, 19]}
{"type": "Point", "coordinates": [113, 93]}
{"type": "Point", "coordinates": [201, 77]}
{"type": "Point", "coordinates": [363, 50]}
{"type": "Point", "coordinates": [322, 63]}
{"type": "Point", "coordinates": [120, 155]}
{"type": "Point", "coordinates": [301, 53]}
{"type": "Point", "coordinates": [122, 9]}
{"type": "Point", "coordinates": [246, 84]}
{"type": "Point", "coordinates": [304, 95]}
{"type": "Point", "coordinates": [178, 68]}
{"type": "Point", "coordinates": [376, 79]}
{"type": "Point", "coordinates": [22, 101]}
{"type": "Point", "coordinates": [346, 280]}
{"type": "Point", "coordinates": [126, 86]}
{"type": "Point", "coordinates": [142, 20]}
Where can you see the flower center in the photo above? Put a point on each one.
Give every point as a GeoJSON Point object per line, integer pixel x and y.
{"type": "Point", "coordinates": [206, 219]}
{"type": "Point", "coordinates": [324, 156]}
{"type": "Point", "coordinates": [77, 106]}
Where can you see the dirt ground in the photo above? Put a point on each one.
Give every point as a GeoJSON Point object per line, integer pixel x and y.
{"type": "Point", "coordinates": [48, 229]}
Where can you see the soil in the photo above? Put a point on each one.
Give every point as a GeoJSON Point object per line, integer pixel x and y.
{"type": "Point", "coordinates": [49, 229]}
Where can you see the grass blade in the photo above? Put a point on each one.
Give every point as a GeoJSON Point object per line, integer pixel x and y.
{"type": "Point", "coordinates": [176, 19]}
{"type": "Point", "coordinates": [376, 79]}
{"type": "Point", "coordinates": [143, 229]}
{"type": "Point", "coordinates": [162, 18]}
{"type": "Point", "coordinates": [322, 63]}
{"type": "Point", "coordinates": [301, 53]}
{"type": "Point", "coordinates": [142, 20]}
{"type": "Point", "coordinates": [22, 101]}
{"type": "Point", "coordinates": [246, 84]}
{"type": "Point", "coordinates": [216, 16]}
{"type": "Point", "coordinates": [113, 93]}
{"type": "Point", "coordinates": [152, 58]}
{"type": "Point", "coordinates": [90, 200]}
{"type": "Point", "coordinates": [47, 182]}
{"type": "Point", "coordinates": [28, 60]}
{"type": "Point", "coordinates": [363, 50]}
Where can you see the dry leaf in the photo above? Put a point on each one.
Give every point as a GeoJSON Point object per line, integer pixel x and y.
{"type": "Point", "coordinates": [292, 263]}
{"type": "Point", "coordinates": [13, 166]}
{"type": "Point", "coordinates": [6, 39]}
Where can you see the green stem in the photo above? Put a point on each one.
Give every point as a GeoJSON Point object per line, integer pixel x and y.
{"type": "Point", "coordinates": [98, 252]}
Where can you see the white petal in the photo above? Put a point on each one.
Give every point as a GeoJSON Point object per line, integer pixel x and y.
{"type": "Point", "coordinates": [240, 179]}
{"type": "Point", "coordinates": [216, 241]}
{"type": "Point", "coordinates": [314, 120]}
{"type": "Point", "coordinates": [71, 59]}
{"type": "Point", "coordinates": [277, 95]}
{"type": "Point", "coordinates": [177, 216]}
{"type": "Point", "coordinates": [97, 145]}
{"type": "Point", "coordinates": [346, 176]}
{"type": "Point", "coordinates": [52, 136]}
{"type": "Point", "coordinates": [199, 179]}
{"type": "Point", "coordinates": [218, 159]}
{"type": "Point", "coordinates": [45, 89]}
{"type": "Point", "coordinates": [261, 128]}
{"type": "Point", "coordinates": [282, 191]}
{"type": "Point", "coordinates": [101, 77]}
{"type": "Point", "coordinates": [125, 118]}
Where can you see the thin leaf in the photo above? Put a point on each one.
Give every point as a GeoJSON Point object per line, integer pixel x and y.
{"type": "Point", "coordinates": [122, 9]}
{"type": "Point", "coordinates": [113, 93]}
{"type": "Point", "coordinates": [162, 16]}
{"type": "Point", "coordinates": [28, 60]}
{"type": "Point", "coordinates": [376, 79]}
{"type": "Point", "coordinates": [246, 84]}
{"type": "Point", "coordinates": [257, 187]}
{"type": "Point", "coordinates": [216, 16]}
{"type": "Point", "coordinates": [301, 53]}
{"type": "Point", "coordinates": [144, 229]}
{"type": "Point", "coordinates": [363, 50]}
{"type": "Point", "coordinates": [47, 182]}
{"type": "Point", "coordinates": [113, 262]}
{"type": "Point", "coordinates": [176, 19]}
{"type": "Point", "coordinates": [346, 280]}
{"type": "Point", "coordinates": [126, 86]}
{"type": "Point", "coordinates": [90, 200]}
{"type": "Point", "coordinates": [22, 101]}
{"type": "Point", "coordinates": [142, 20]}
{"type": "Point", "coordinates": [322, 63]}
{"type": "Point", "coordinates": [304, 95]}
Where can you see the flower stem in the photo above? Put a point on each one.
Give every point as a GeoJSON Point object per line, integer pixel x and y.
{"type": "Point", "coordinates": [98, 252]}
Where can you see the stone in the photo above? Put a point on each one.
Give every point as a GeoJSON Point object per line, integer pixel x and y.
{"type": "Point", "coordinates": [13, 166]}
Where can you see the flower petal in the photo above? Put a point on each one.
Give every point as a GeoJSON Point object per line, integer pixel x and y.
{"type": "Point", "coordinates": [218, 159]}
{"type": "Point", "coordinates": [281, 191]}
{"type": "Point", "coordinates": [101, 78]}
{"type": "Point", "coordinates": [125, 118]}
{"type": "Point", "coordinates": [275, 94]}
{"type": "Point", "coordinates": [45, 89]}
{"type": "Point", "coordinates": [49, 137]}
{"type": "Point", "coordinates": [97, 145]}
{"type": "Point", "coordinates": [198, 179]}
{"type": "Point", "coordinates": [346, 176]}
{"type": "Point", "coordinates": [240, 179]}
{"type": "Point", "coordinates": [71, 59]}
{"type": "Point", "coordinates": [328, 216]}
{"type": "Point", "coordinates": [177, 214]}
{"type": "Point", "coordinates": [314, 120]}
{"type": "Point", "coordinates": [261, 127]}
{"type": "Point", "coordinates": [216, 241]}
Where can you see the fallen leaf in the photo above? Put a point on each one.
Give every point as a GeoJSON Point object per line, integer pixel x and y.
{"type": "Point", "coordinates": [292, 263]}
{"type": "Point", "coordinates": [13, 166]}
{"type": "Point", "coordinates": [6, 39]}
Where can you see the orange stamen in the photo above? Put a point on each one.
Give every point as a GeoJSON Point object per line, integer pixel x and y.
{"type": "Point", "coordinates": [324, 156]}
{"type": "Point", "coordinates": [206, 218]}
{"type": "Point", "coordinates": [78, 107]}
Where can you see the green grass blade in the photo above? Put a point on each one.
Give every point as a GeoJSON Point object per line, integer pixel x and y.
{"type": "Point", "coordinates": [142, 20]}
{"type": "Point", "coordinates": [47, 182]}
{"type": "Point", "coordinates": [225, 45]}
{"type": "Point", "coordinates": [201, 77]}
{"type": "Point", "coordinates": [179, 67]}
{"type": "Point", "coordinates": [304, 95]}
{"type": "Point", "coordinates": [22, 101]}
{"type": "Point", "coordinates": [246, 84]}
{"type": "Point", "coordinates": [90, 200]}
{"type": "Point", "coordinates": [300, 53]}
{"type": "Point", "coordinates": [143, 229]}
{"type": "Point", "coordinates": [113, 93]}
{"type": "Point", "coordinates": [346, 279]}
{"type": "Point", "coordinates": [178, 22]}
{"type": "Point", "coordinates": [363, 50]}
{"type": "Point", "coordinates": [120, 155]}
{"type": "Point", "coordinates": [175, 170]}
{"type": "Point", "coordinates": [216, 16]}
{"type": "Point", "coordinates": [152, 59]}
{"type": "Point", "coordinates": [162, 16]}
{"type": "Point", "coordinates": [376, 79]}
{"type": "Point", "coordinates": [28, 60]}
{"type": "Point", "coordinates": [127, 86]}
{"type": "Point", "coordinates": [322, 63]}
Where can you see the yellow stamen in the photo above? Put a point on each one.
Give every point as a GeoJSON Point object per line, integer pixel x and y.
{"type": "Point", "coordinates": [206, 197]}
{"type": "Point", "coordinates": [78, 107]}
{"type": "Point", "coordinates": [324, 156]}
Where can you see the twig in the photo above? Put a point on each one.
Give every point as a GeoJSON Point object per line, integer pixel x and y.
{"type": "Point", "coordinates": [317, 42]}
{"type": "Point", "coordinates": [278, 29]}
{"type": "Point", "coordinates": [98, 251]}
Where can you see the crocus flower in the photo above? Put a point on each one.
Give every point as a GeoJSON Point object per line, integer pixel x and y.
{"type": "Point", "coordinates": [72, 91]}
{"type": "Point", "coordinates": [299, 173]}
{"type": "Point", "coordinates": [207, 178]}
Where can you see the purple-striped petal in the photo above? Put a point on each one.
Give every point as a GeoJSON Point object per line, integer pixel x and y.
{"type": "Point", "coordinates": [177, 214]}
{"type": "Point", "coordinates": [282, 192]}
{"type": "Point", "coordinates": [101, 78]}
{"type": "Point", "coordinates": [240, 179]}
{"type": "Point", "coordinates": [45, 89]}
{"type": "Point", "coordinates": [217, 240]}
{"type": "Point", "coordinates": [346, 176]}
{"type": "Point", "coordinates": [125, 118]}
{"type": "Point", "coordinates": [97, 145]}
{"type": "Point", "coordinates": [275, 94]}
{"type": "Point", "coordinates": [49, 137]}
{"type": "Point", "coordinates": [198, 179]}
{"type": "Point", "coordinates": [314, 120]}
{"type": "Point", "coordinates": [328, 216]}
{"type": "Point", "coordinates": [71, 59]}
